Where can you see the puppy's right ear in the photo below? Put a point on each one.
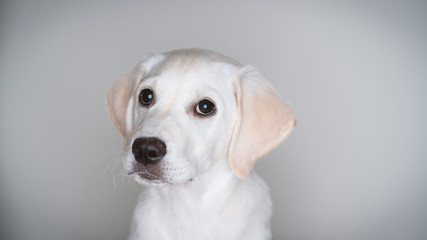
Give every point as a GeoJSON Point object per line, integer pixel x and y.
{"type": "Point", "coordinates": [120, 100]}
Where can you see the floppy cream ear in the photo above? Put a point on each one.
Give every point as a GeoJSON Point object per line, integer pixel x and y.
{"type": "Point", "coordinates": [263, 121]}
{"type": "Point", "coordinates": [120, 101]}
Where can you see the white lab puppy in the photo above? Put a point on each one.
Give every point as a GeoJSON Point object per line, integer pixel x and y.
{"type": "Point", "coordinates": [194, 123]}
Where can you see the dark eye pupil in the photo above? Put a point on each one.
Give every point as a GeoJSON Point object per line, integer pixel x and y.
{"type": "Point", "coordinates": [146, 96]}
{"type": "Point", "coordinates": [206, 107]}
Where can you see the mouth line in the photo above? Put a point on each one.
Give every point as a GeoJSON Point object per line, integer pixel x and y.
{"type": "Point", "coordinates": [146, 175]}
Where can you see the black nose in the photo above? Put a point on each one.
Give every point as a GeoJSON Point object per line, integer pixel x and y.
{"type": "Point", "coordinates": [148, 150]}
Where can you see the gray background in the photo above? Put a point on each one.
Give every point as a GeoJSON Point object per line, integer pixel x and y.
{"type": "Point", "coordinates": [354, 168]}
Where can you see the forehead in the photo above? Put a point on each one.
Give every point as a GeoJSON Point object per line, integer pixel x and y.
{"type": "Point", "coordinates": [189, 70]}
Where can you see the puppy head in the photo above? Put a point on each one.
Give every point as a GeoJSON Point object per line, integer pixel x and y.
{"type": "Point", "coordinates": [182, 111]}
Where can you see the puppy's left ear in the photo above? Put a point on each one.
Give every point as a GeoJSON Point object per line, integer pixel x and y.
{"type": "Point", "coordinates": [120, 101]}
{"type": "Point", "coordinates": [263, 121]}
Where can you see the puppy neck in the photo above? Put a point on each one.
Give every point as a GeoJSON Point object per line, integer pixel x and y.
{"type": "Point", "coordinates": [211, 188]}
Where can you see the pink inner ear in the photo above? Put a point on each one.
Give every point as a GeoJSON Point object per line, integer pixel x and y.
{"type": "Point", "coordinates": [265, 120]}
{"type": "Point", "coordinates": [118, 101]}
{"type": "Point", "coordinates": [129, 116]}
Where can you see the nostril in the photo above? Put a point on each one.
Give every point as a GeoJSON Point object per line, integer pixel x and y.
{"type": "Point", "coordinates": [148, 150]}
{"type": "Point", "coordinates": [152, 154]}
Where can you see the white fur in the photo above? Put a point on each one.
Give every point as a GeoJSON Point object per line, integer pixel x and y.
{"type": "Point", "coordinates": [198, 195]}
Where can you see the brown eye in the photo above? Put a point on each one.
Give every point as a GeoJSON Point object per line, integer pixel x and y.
{"type": "Point", "coordinates": [205, 107]}
{"type": "Point", "coordinates": [146, 97]}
